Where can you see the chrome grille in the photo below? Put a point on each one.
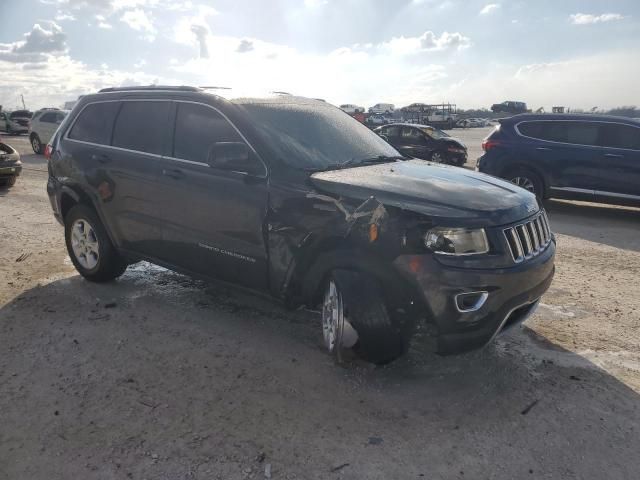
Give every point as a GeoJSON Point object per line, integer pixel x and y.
{"type": "Point", "coordinates": [528, 239]}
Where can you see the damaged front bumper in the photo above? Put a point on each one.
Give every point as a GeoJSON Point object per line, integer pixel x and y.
{"type": "Point", "coordinates": [470, 307]}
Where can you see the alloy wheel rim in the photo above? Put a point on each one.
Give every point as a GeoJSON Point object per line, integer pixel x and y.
{"type": "Point", "coordinates": [84, 243]}
{"type": "Point", "coordinates": [436, 157]}
{"type": "Point", "coordinates": [35, 144]}
{"type": "Point", "coordinates": [524, 182]}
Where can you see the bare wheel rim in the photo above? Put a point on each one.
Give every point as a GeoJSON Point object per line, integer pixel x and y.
{"type": "Point", "coordinates": [436, 157]}
{"type": "Point", "coordinates": [332, 316]}
{"type": "Point", "coordinates": [84, 243]}
{"type": "Point", "coordinates": [524, 182]}
{"type": "Point", "coordinates": [35, 143]}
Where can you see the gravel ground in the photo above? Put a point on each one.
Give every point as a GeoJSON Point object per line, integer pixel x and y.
{"type": "Point", "coordinates": [158, 376]}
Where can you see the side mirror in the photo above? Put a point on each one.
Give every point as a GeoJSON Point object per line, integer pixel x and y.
{"type": "Point", "coordinates": [235, 157]}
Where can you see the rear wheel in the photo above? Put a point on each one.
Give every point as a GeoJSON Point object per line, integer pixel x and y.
{"type": "Point", "coordinates": [36, 144]}
{"type": "Point", "coordinates": [354, 315]}
{"type": "Point", "coordinates": [89, 246]}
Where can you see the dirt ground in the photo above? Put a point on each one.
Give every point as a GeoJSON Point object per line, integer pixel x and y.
{"type": "Point", "coordinates": [158, 376]}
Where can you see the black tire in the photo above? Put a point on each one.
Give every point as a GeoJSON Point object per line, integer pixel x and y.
{"type": "Point", "coordinates": [11, 181]}
{"type": "Point", "coordinates": [110, 265]}
{"type": "Point", "coordinates": [537, 186]}
{"type": "Point", "coordinates": [36, 144]}
{"type": "Point", "coordinates": [380, 341]}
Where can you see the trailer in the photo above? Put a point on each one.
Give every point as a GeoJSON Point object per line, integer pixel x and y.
{"type": "Point", "coordinates": [442, 115]}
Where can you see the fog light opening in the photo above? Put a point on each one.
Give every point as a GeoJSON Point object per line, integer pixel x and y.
{"type": "Point", "coordinates": [471, 301]}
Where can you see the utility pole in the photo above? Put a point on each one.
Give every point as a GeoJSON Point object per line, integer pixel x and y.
{"type": "Point", "coordinates": [23, 105]}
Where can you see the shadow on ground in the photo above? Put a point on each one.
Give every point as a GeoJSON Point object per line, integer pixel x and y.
{"type": "Point", "coordinates": [611, 225]}
{"type": "Point", "coordinates": [159, 376]}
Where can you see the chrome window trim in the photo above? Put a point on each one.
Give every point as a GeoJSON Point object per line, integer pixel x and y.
{"type": "Point", "coordinates": [165, 157]}
{"type": "Point", "coordinates": [515, 127]}
{"type": "Point", "coordinates": [596, 192]}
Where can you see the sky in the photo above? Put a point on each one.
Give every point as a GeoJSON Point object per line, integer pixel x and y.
{"type": "Point", "coordinates": [574, 53]}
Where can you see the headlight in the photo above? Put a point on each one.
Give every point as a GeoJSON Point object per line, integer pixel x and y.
{"type": "Point", "coordinates": [456, 241]}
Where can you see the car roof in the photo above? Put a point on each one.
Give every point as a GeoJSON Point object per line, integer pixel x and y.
{"type": "Point", "coordinates": [568, 116]}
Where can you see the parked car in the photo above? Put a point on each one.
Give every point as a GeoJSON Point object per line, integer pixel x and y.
{"type": "Point", "coordinates": [247, 191]}
{"type": "Point", "coordinates": [471, 123]}
{"type": "Point", "coordinates": [423, 141]}
{"type": "Point", "coordinates": [382, 108]}
{"type": "Point", "coordinates": [581, 157]}
{"type": "Point", "coordinates": [377, 119]}
{"type": "Point", "coordinates": [351, 109]}
{"type": "Point", "coordinates": [509, 107]}
{"type": "Point", "coordinates": [15, 122]}
{"type": "Point", "coordinates": [10, 165]}
{"type": "Point", "coordinates": [43, 125]}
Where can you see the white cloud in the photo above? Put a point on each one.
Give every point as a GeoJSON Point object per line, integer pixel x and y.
{"type": "Point", "coordinates": [41, 41]}
{"type": "Point", "coordinates": [61, 17]}
{"type": "Point", "coordinates": [428, 41]}
{"type": "Point", "coordinates": [138, 20]}
{"type": "Point", "coordinates": [588, 19]}
{"type": "Point", "coordinates": [102, 23]}
{"type": "Point", "coordinates": [489, 8]}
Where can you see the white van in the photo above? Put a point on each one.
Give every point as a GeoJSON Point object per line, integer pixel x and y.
{"type": "Point", "coordinates": [382, 108]}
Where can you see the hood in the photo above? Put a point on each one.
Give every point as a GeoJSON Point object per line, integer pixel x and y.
{"type": "Point", "coordinates": [454, 141]}
{"type": "Point", "coordinates": [451, 196]}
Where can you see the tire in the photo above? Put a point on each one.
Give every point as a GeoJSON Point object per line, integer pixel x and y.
{"type": "Point", "coordinates": [379, 340]}
{"type": "Point", "coordinates": [36, 144]}
{"type": "Point", "coordinates": [528, 180]}
{"type": "Point", "coordinates": [89, 246]}
{"type": "Point", "coordinates": [11, 181]}
{"type": "Point", "coordinates": [438, 157]}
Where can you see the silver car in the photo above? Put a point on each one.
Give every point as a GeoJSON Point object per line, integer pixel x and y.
{"type": "Point", "coordinates": [44, 124]}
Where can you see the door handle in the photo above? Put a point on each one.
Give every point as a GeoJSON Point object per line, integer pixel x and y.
{"type": "Point", "coordinates": [173, 173]}
{"type": "Point", "coordinates": [613, 155]}
{"type": "Point", "coordinates": [100, 157]}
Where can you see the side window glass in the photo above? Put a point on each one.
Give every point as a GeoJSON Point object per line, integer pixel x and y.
{"type": "Point", "coordinates": [95, 122]}
{"type": "Point", "coordinates": [142, 126]}
{"type": "Point", "coordinates": [392, 132]}
{"type": "Point", "coordinates": [582, 133]}
{"type": "Point", "coordinates": [554, 131]}
{"type": "Point", "coordinates": [531, 129]}
{"type": "Point", "coordinates": [197, 128]}
{"type": "Point", "coordinates": [620, 136]}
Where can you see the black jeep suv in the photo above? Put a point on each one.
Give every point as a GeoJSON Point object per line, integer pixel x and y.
{"type": "Point", "coordinates": [295, 198]}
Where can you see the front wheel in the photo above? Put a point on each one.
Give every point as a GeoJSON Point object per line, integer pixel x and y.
{"type": "Point", "coordinates": [89, 246]}
{"type": "Point", "coordinates": [354, 315]}
{"type": "Point", "coordinates": [527, 180]}
{"type": "Point", "coordinates": [438, 157]}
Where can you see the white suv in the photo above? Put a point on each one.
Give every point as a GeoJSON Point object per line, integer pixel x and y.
{"type": "Point", "coordinates": [44, 124]}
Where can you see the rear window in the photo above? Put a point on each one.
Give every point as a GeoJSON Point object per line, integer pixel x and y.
{"type": "Point", "coordinates": [95, 122]}
{"type": "Point", "coordinates": [141, 126]}
{"type": "Point", "coordinates": [20, 114]}
{"type": "Point", "coordinates": [49, 117]}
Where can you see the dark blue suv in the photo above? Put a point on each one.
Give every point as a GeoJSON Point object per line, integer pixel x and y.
{"type": "Point", "coordinates": [578, 157]}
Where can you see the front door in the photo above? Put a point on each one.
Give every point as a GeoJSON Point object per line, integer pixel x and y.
{"type": "Point", "coordinates": [213, 220]}
{"type": "Point", "coordinates": [620, 171]}
{"type": "Point", "coordinates": [413, 143]}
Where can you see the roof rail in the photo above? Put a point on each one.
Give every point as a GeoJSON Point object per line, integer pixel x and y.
{"type": "Point", "coordinates": [179, 88]}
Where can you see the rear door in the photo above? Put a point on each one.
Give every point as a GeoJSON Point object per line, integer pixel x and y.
{"type": "Point", "coordinates": [46, 126]}
{"type": "Point", "coordinates": [213, 220]}
{"type": "Point", "coordinates": [620, 171]}
{"type": "Point", "coordinates": [566, 152]}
